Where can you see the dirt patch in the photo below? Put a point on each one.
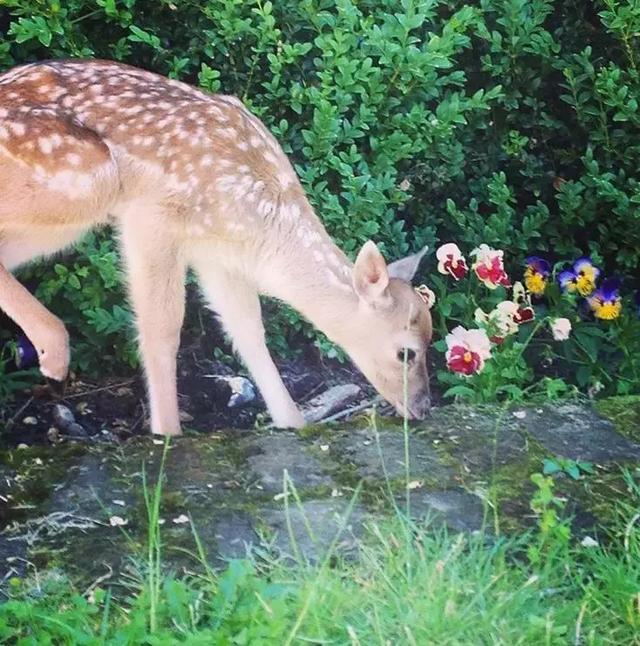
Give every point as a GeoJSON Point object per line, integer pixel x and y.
{"type": "Point", "coordinates": [115, 409]}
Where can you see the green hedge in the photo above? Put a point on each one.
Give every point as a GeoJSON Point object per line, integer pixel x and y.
{"type": "Point", "coordinates": [510, 122]}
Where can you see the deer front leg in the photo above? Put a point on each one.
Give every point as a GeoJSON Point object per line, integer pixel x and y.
{"type": "Point", "coordinates": [44, 330]}
{"type": "Point", "coordinates": [238, 306]}
{"type": "Point", "coordinates": [156, 286]}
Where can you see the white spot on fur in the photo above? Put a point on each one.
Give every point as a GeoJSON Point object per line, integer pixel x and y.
{"type": "Point", "coordinates": [285, 179]}
{"type": "Point", "coordinates": [18, 129]}
{"type": "Point", "coordinates": [270, 157]}
{"type": "Point", "coordinates": [292, 212]}
{"type": "Point", "coordinates": [70, 182]}
{"type": "Point", "coordinates": [226, 182]}
{"type": "Point", "coordinates": [227, 133]}
{"type": "Point", "coordinates": [74, 159]}
{"type": "Point", "coordinates": [265, 207]}
{"type": "Point", "coordinates": [45, 145]}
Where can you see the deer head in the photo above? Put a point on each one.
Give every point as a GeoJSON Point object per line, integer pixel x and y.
{"type": "Point", "coordinates": [392, 354]}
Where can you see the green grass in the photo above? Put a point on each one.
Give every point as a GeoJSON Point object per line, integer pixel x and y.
{"type": "Point", "coordinates": [409, 584]}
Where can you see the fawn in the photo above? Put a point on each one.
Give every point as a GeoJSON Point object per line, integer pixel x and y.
{"type": "Point", "coordinates": [189, 179]}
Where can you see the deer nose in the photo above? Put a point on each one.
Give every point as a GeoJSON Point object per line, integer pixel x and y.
{"type": "Point", "coordinates": [421, 407]}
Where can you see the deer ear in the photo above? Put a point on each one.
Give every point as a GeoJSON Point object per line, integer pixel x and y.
{"type": "Point", "coordinates": [406, 268]}
{"type": "Point", "coordinates": [370, 275]}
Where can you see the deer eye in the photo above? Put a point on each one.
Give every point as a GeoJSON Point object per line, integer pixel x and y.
{"type": "Point", "coordinates": [408, 353]}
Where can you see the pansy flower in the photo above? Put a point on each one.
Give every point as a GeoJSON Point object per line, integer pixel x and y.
{"type": "Point", "coordinates": [605, 302]}
{"type": "Point", "coordinates": [536, 274]}
{"type": "Point", "coordinates": [467, 350]}
{"type": "Point", "coordinates": [451, 261]}
{"type": "Point", "coordinates": [489, 268]}
{"type": "Point", "coordinates": [560, 329]}
{"type": "Point", "coordinates": [525, 311]}
{"type": "Point", "coordinates": [26, 354]}
{"type": "Point", "coordinates": [524, 315]}
{"type": "Point", "coordinates": [426, 295]}
{"type": "Point", "coordinates": [581, 278]}
{"type": "Point", "coordinates": [500, 322]}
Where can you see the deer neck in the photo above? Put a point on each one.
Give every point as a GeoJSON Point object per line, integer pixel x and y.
{"type": "Point", "coordinates": [309, 272]}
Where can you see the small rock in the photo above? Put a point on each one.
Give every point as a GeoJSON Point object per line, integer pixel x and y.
{"type": "Point", "coordinates": [117, 521]}
{"type": "Point", "coordinates": [587, 541]}
{"type": "Point", "coordinates": [66, 422]}
{"type": "Point", "coordinates": [520, 414]}
{"type": "Point", "coordinates": [30, 421]}
{"type": "Point", "coordinates": [107, 436]}
{"type": "Point", "coordinates": [63, 417]}
{"type": "Point", "coordinates": [242, 390]}
{"type": "Point", "coordinates": [53, 435]}
{"type": "Point", "coordinates": [83, 408]}
{"type": "Point", "coordinates": [23, 446]}
{"type": "Point", "coordinates": [185, 417]}
{"type": "Point", "coordinates": [76, 431]}
{"type": "Point", "coordinates": [181, 519]}
{"type": "Point", "coordinates": [330, 401]}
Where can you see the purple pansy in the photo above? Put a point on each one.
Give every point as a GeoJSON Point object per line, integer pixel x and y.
{"type": "Point", "coordinates": [26, 354]}
{"type": "Point", "coordinates": [581, 278]}
{"type": "Point", "coordinates": [536, 274]}
{"type": "Point", "coordinates": [539, 264]}
{"type": "Point", "coordinates": [605, 302]}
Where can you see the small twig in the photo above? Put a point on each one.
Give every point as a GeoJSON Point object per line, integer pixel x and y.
{"type": "Point", "coordinates": [102, 388]}
{"type": "Point", "coordinates": [21, 410]}
{"type": "Point", "coordinates": [54, 523]}
{"type": "Point", "coordinates": [347, 411]}
{"type": "Point", "coordinates": [140, 420]}
{"type": "Point", "coordinates": [99, 580]}
{"type": "Point", "coordinates": [313, 392]}
{"type": "Point", "coordinates": [577, 641]}
{"type": "Point", "coordinates": [627, 533]}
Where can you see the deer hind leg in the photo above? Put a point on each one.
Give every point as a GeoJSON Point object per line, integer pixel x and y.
{"type": "Point", "coordinates": [156, 276]}
{"type": "Point", "coordinates": [237, 304]}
